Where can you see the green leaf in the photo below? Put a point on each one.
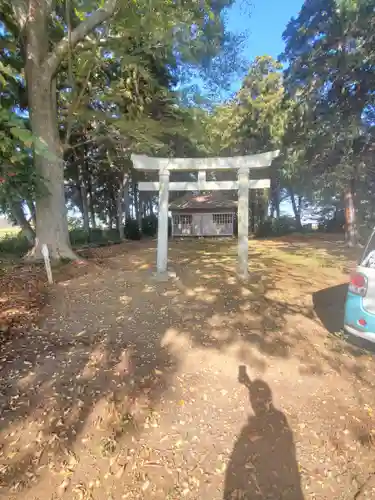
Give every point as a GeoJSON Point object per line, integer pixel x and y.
{"type": "Point", "coordinates": [7, 70]}
{"type": "Point", "coordinates": [23, 135]}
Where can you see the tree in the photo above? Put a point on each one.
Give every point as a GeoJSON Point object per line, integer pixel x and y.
{"type": "Point", "coordinates": [33, 17]}
{"type": "Point", "coordinates": [329, 48]}
{"type": "Point", "coordinates": [49, 38]}
{"type": "Point", "coordinates": [17, 177]}
{"type": "Point", "coordinates": [253, 122]}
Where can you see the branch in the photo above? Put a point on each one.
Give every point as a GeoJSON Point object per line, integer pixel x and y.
{"type": "Point", "coordinates": [99, 139]}
{"type": "Point", "coordinates": [74, 105]}
{"type": "Point", "coordinates": [84, 28]}
{"type": "Point", "coordinates": [69, 24]}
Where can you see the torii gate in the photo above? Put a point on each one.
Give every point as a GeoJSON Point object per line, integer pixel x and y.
{"type": "Point", "coordinates": [241, 163]}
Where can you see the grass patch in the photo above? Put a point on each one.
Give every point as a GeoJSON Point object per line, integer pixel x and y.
{"type": "Point", "coordinates": [312, 258]}
{"type": "Point", "coordinates": [8, 232]}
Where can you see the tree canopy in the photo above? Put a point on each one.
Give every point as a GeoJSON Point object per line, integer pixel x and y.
{"type": "Point", "coordinates": [85, 84]}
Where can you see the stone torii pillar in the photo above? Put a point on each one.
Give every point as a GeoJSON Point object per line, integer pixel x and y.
{"type": "Point", "coordinates": [243, 223]}
{"type": "Point", "coordinates": [162, 249]}
{"type": "Point", "coordinates": [241, 163]}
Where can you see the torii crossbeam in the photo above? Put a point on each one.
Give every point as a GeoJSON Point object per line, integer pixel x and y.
{"type": "Point", "coordinates": [240, 163]}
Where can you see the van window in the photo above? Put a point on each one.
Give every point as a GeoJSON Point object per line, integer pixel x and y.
{"type": "Point", "coordinates": [368, 257]}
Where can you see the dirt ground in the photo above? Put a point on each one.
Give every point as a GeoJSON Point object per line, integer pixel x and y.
{"type": "Point", "coordinates": [198, 388]}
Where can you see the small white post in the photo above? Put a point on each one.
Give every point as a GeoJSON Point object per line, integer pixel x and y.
{"type": "Point", "coordinates": [162, 251]}
{"type": "Point", "coordinates": [243, 222]}
{"type": "Point", "coordinates": [47, 263]}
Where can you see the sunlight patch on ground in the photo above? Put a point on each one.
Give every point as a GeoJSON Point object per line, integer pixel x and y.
{"type": "Point", "coordinates": [125, 300]}
{"type": "Point", "coordinates": [175, 341]}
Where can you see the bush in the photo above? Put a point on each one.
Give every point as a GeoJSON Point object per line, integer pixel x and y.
{"type": "Point", "coordinates": [276, 227]}
{"type": "Point", "coordinates": [104, 236]}
{"type": "Point", "coordinates": [131, 230]}
{"type": "Point", "coordinates": [17, 245]}
{"type": "Point", "coordinates": [264, 229]}
{"type": "Point", "coordinates": [110, 235]}
{"type": "Point", "coordinates": [334, 225]}
{"type": "Point", "coordinates": [79, 237]}
{"type": "Point", "coordinates": [97, 235]}
{"type": "Point", "coordinates": [150, 225]}
{"type": "Point", "coordinates": [14, 244]}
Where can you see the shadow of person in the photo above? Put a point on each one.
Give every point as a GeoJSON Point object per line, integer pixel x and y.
{"type": "Point", "coordinates": [263, 463]}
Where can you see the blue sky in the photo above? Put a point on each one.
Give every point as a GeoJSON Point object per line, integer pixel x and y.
{"type": "Point", "coordinates": [264, 23]}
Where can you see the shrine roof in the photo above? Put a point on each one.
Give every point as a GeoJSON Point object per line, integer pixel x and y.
{"type": "Point", "coordinates": [213, 201]}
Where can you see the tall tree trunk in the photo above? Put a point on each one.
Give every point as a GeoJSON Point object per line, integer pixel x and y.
{"type": "Point", "coordinates": [277, 204]}
{"type": "Point", "coordinates": [135, 200]}
{"type": "Point", "coordinates": [140, 211]}
{"type": "Point", "coordinates": [51, 221]}
{"type": "Point", "coordinates": [91, 205]}
{"type": "Point", "coordinates": [110, 220]}
{"type": "Point", "coordinates": [120, 205]}
{"type": "Point", "coordinates": [41, 67]}
{"type": "Point", "coordinates": [296, 207]}
{"type": "Point", "coordinates": [265, 204]}
{"type": "Point", "coordinates": [120, 215]}
{"type": "Point", "coordinates": [19, 215]}
{"type": "Point", "coordinates": [127, 202]}
{"type": "Point", "coordinates": [275, 210]}
{"type": "Point", "coordinates": [253, 215]}
{"type": "Point", "coordinates": [84, 201]}
{"type": "Point", "coordinates": [351, 230]}
{"type": "Point", "coordinates": [275, 195]}
{"type": "Point", "coordinates": [85, 208]}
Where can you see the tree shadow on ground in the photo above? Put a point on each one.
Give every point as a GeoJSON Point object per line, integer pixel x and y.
{"type": "Point", "coordinates": [113, 342]}
{"type": "Point", "coordinates": [269, 316]}
{"type": "Point", "coordinates": [263, 463]}
{"type": "Point", "coordinates": [98, 357]}
{"type": "Point", "coordinates": [218, 311]}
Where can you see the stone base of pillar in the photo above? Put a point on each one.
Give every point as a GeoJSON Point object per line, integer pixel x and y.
{"type": "Point", "coordinates": [164, 276]}
{"type": "Point", "coordinates": [243, 277]}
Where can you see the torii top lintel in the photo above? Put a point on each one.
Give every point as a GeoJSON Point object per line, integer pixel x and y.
{"type": "Point", "coordinates": [261, 160]}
